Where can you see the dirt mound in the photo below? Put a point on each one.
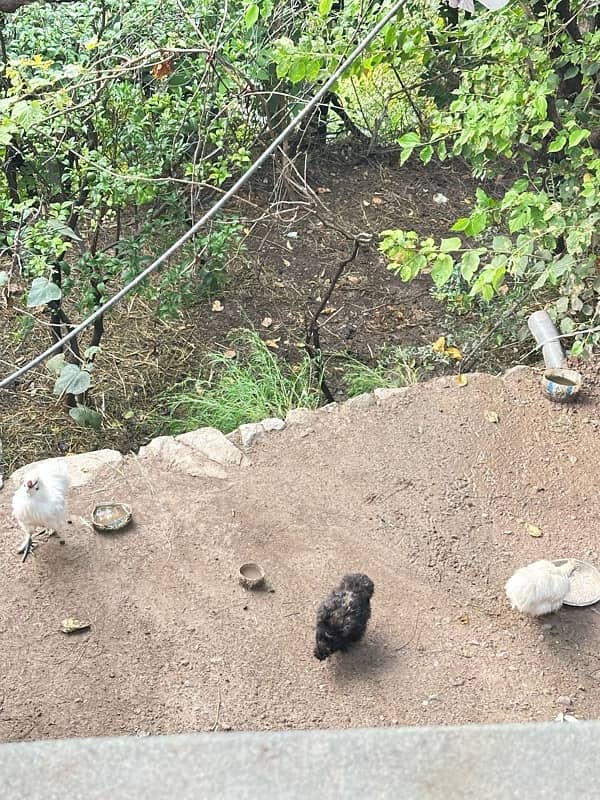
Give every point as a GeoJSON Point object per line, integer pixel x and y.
{"type": "Point", "coordinates": [422, 491]}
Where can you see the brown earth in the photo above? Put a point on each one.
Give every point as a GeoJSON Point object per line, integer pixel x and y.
{"type": "Point", "coordinates": [422, 492]}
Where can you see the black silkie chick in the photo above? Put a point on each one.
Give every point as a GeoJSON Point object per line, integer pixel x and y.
{"type": "Point", "coordinates": [343, 615]}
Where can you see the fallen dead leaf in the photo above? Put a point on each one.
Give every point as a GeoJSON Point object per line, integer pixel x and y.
{"type": "Point", "coordinates": [377, 201]}
{"type": "Point", "coordinates": [439, 345]}
{"type": "Point", "coordinates": [533, 530]}
{"type": "Point", "coordinates": [217, 305]}
{"type": "Point", "coordinates": [230, 353]}
{"type": "Point", "coordinates": [491, 416]}
{"type": "Point", "coordinates": [453, 352]}
{"type": "Point", "coordinates": [72, 625]}
{"type": "Point", "coordinates": [328, 310]}
{"type": "Point", "coordinates": [267, 322]}
{"type": "Point", "coordinates": [272, 343]}
{"type": "Point", "coordinates": [461, 380]}
{"type": "Point", "coordinates": [354, 279]}
{"type": "Point", "coordinates": [323, 190]}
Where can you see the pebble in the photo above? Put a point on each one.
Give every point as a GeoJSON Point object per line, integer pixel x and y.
{"type": "Point", "coordinates": [563, 700]}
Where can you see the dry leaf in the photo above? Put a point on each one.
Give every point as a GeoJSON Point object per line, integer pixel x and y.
{"type": "Point", "coordinates": [267, 322]}
{"type": "Point", "coordinates": [230, 353]}
{"type": "Point", "coordinates": [377, 201]}
{"type": "Point", "coordinates": [439, 346]}
{"type": "Point", "coordinates": [72, 625]}
{"type": "Point", "coordinates": [328, 310]}
{"type": "Point", "coordinates": [533, 530]}
{"type": "Point", "coordinates": [354, 279]}
{"type": "Point", "coordinates": [162, 70]}
{"type": "Point", "coordinates": [461, 380]}
{"type": "Point", "coordinates": [323, 190]}
{"type": "Point", "coordinates": [491, 416]}
{"type": "Point", "coordinates": [217, 305]}
{"type": "Point", "coordinates": [272, 343]}
{"type": "Point", "coordinates": [453, 352]}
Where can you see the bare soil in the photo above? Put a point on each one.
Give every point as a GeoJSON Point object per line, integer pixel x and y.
{"type": "Point", "coordinates": [423, 493]}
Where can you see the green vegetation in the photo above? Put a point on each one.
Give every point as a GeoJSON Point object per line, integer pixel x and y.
{"type": "Point", "coordinates": [244, 384]}
{"type": "Point", "coordinates": [393, 369]}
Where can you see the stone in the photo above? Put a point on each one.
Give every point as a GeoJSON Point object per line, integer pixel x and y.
{"type": "Point", "coordinates": [383, 395]}
{"type": "Point", "coordinates": [250, 433]}
{"type": "Point", "coordinates": [214, 445]}
{"type": "Point", "coordinates": [272, 424]}
{"type": "Point", "coordinates": [300, 416]}
{"type": "Point", "coordinates": [182, 458]}
{"type": "Point", "coordinates": [360, 401]}
{"type": "Point", "coordinates": [82, 467]}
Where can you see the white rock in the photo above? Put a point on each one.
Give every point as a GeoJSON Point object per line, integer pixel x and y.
{"type": "Point", "coordinates": [361, 401]}
{"type": "Point", "coordinates": [251, 432]}
{"type": "Point", "coordinates": [300, 416]}
{"type": "Point", "coordinates": [383, 395]}
{"type": "Point", "coordinates": [82, 467]}
{"type": "Point", "coordinates": [182, 458]}
{"type": "Point", "coordinates": [272, 424]}
{"type": "Point", "coordinates": [214, 445]}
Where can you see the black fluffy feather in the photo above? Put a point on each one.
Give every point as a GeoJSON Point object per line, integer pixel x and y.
{"type": "Point", "coordinates": [343, 615]}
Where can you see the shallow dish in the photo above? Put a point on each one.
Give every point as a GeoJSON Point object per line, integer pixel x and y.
{"type": "Point", "coordinates": [111, 516]}
{"type": "Point", "coordinates": [585, 584]}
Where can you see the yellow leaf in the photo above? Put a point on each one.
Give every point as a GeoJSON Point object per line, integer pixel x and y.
{"type": "Point", "coordinates": [533, 530]}
{"type": "Point", "coordinates": [272, 343]}
{"type": "Point", "coordinates": [439, 345]}
{"type": "Point", "coordinates": [267, 322]}
{"type": "Point", "coordinates": [91, 44]}
{"type": "Point", "coordinates": [453, 352]}
{"type": "Point", "coordinates": [461, 380]}
{"type": "Point", "coordinates": [328, 310]}
{"type": "Point", "coordinates": [491, 416]}
{"type": "Point", "coordinates": [217, 305]}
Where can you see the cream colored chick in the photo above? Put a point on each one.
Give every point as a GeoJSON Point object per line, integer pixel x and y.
{"type": "Point", "coordinates": [40, 502]}
{"type": "Point", "coordinates": [539, 588]}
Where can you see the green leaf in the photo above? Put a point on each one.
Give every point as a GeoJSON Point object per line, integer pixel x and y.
{"type": "Point", "coordinates": [60, 227]}
{"type": "Point", "coordinates": [409, 140]}
{"type": "Point", "coordinates": [325, 7]}
{"type": "Point", "coordinates": [251, 15]}
{"type": "Point", "coordinates": [577, 135]}
{"type": "Point", "coordinates": [558, 143]}
{"type": "Point", "coordinates": [56, 364]}
{"type": "Point", "coordinates": [450, 245]}
{"type": "Point", "coordinates": [86, 416]}
{"type": "Point", "coordinates": [541, 106]}
{"type": "Point", "coordinates": [297, 71]}
{"type": "Point", "coordinates": [502, 244]}
{"type": "Point", "coordinates": [441, 269]}
{"type": "Point", "coordinates": [461, 224]}
{"type": "Point", "coordinates": [42, 292]}
{"type": "Point", "coordinates": [469, 265]}
{"type": "Point", "coordinates": [72, 380]}
{"type": "Point", "coordinates": [426, 154]}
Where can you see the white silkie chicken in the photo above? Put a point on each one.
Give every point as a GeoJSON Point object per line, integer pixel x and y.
{"type": "Point", "coordinates": [539, 588]}
{"type": "Point", "coordinates": [40, 502]}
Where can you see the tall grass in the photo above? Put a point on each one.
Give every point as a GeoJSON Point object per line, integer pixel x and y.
{"type": "Point", "coordinates": [392, 370]}
{"type": "Point", "coordinates": [252, 386]}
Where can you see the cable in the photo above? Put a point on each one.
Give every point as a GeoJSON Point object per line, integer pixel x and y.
{"type": "Point", "coordinates": [6, 382]}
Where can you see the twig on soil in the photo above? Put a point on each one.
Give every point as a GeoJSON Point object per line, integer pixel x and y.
{"type": "Point", "coordinates": [215, 724]}
{"type": "Point", "coordinates": [312, 341]}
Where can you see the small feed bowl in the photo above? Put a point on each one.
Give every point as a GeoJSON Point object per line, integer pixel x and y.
{"type": "Point", "coordinates": [585, 584]}
{"type": "Point", "coordinates": [111, 516]}
{"type": "Point", "coordinates": [251, 576]}
{"type": "Point", "coordinates": [561, 385]}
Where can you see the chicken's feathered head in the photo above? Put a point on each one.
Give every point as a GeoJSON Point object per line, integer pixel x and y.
{"type": "Point", "coordinates": [32, 483]}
